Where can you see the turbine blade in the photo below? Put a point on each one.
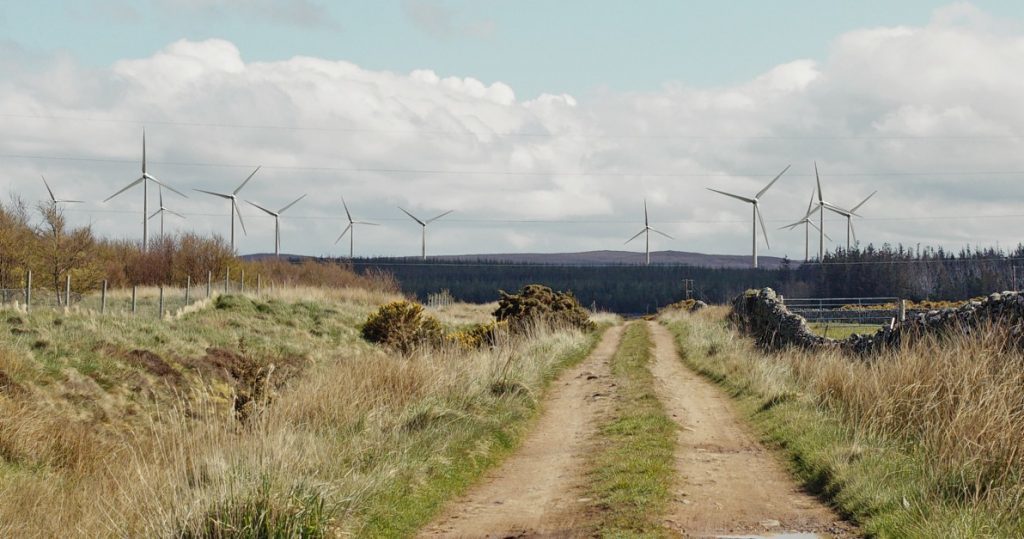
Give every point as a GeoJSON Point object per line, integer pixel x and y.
{"type": "Point", "coordinates": [835, 209]}
{"type": "Point", "coordinates": [431, 220]}
{"type": "Point", "coordinates": [70, 201]}
{"type": "Point", "coordinates": [855, 208]}
{"type": "Point", "coordinates": [853, 231]}
{"type": "Point", "coordinates": [744, 199]}
{"type": "Point", "coordinates": [810, 203]}
{"type": "Point", "coordinates": [349, 214]}
{"type": "Point", "coordinates": [129, 186]}
{"type": "Point", "coordinates": [235, 192]}
{"type": "Point", "coordinates": [635, 237]}
{"type": "Point", "coordinates": [234, 206]}
{"type": "Point", "coordinates": [143, 151]}
{"type": "Point", "coordinates": [662, 233]}
{"type": "Point", "coordinates": [221, 195]}
{"type": "Point", "coordinates": [260, 207]}
{"type": "Point", "coordinates": [164, 185]}
{"type": "Point", "coordinates": [48, 190]}
{"type": "Point", "coordinates": [791, 226]}
{"type": "Point", "coordinates": [764, 230]}
{"type": "Point", "coordinates": [365, 223]}
{"type": "Point", "coordinates": [157, 212]}
{"type": "Point", "coordinates": [160, 190]}
{"type": "Point", "coordinates": [292, 204]}
{"type": "Point", "coordinates": [770, 184]}
{"type": "Point", "coordinates": [343, 232]}
{"type": "Point", "coordinates": [172, 212]}
{"type": "Point", "coordinates": [414, 218]}
{"type": "Point", "coordinates": [646, 223]}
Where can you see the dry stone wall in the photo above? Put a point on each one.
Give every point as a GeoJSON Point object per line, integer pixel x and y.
{"type": "Point", "coordinates": [761, 314]}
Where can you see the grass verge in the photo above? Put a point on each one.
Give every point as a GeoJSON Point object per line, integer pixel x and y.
{"type": "Point", "coordinates": [907, 445]}
{"type": "Point", "coordinates": [631, 472]}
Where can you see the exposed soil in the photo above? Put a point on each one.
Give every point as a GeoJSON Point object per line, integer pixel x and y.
{"type": "Point", "coordinates": [535, 493]}
{"type": "Point", "coordinates": [729, 483]}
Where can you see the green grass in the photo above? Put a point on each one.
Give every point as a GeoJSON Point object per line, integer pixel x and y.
{"type": "Point", "coordinates": [632, 472]}
{"type": "Point", "coordinates": [886, 485]}
{"type": "Point", "coordinates": [841, 330]}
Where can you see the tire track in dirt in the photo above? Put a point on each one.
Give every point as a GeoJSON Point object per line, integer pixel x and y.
{"type": "Point", "coordinates": [730, 485]}
{"type": "Point", "coordinates": [536, 491]}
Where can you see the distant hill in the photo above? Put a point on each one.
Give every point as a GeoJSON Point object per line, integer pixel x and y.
{"type": "Point", "coordinates": [590, 258]}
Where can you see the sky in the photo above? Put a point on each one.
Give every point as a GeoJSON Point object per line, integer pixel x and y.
{"type": "Point", "coordinates": [544, 125]}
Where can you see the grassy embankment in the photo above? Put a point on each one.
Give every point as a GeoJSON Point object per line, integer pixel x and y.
{"type": "Point", "coordinates": [631, 470]}
{"type": "Point", "coordinates": [925, 441]}
{"type": "Point", "coordinates": [251, 416]}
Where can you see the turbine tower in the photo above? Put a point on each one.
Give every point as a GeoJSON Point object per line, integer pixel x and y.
{"type": "Point", "coordinates": [756, 211]}
{"type": "Point", "coordinates": [350, 229]}
{"type": "Point", "coordinates": [144, 180]}
{"type": "Point", "coordinates": [808, 223]}
{"type": "Point", "coordinates": [277, 222]}
{"type": "Point", "coordinates": [233, 197]}
{"type": "Point", "coordinates": [163, 210]}
{"type": "Point", "coordinates": [647, 230]}
{"type": "Point", "coordinates": [54, 200]}
{"type": "Point", "coordinates": [423, 224]}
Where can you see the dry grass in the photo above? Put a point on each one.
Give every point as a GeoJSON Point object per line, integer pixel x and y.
{"type": "Point", "coordinates": [360, 443]}
{"type": "Point", "coordinates": [938, 426]}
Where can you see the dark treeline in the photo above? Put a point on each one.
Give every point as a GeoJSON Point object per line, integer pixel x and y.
{"type": "Point", "coordinates": [873, 271]}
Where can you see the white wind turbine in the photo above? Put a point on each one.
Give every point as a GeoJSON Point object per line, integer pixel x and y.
{"type": "Point", "coordinates": [163, 209]}
{"type": "Point", "coordinates": [277, 221]}
{"type": "Point", "coordinates": [808, 223]}
{"type": "Point", "coordinates": [423, 224]}
{"type": "Point", "coordinates": [53, 199]}
{"type": "Point", "coordinates": [144, 180]}
{"type": "Point", "coordinates": [848, 214]}
{"type": "Point", "coordinates": [351, 229]}
{"type": "Point", "coordinates": [757, 211]}
{"type": "Point", "coordinates": [647, 230]}
{"type": "Point", "coordinates": [233, 197]}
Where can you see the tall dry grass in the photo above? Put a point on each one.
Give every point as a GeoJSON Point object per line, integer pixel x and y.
{"type": "Point", "coordinates": [349, 447]}
{"type": "Point", "coordinates": [953, 406]}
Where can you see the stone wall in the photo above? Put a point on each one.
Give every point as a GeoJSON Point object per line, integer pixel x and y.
{"type": "Point", "coordinates": [762, 315]}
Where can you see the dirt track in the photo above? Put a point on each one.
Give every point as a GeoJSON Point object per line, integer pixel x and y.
{"type": "Point", "coordinates": [728, 483]}
{"type": "Point", "coordinates": [535, 492]}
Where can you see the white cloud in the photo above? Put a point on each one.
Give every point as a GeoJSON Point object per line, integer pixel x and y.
{"type": "Point", "coordinates": [856, 112]}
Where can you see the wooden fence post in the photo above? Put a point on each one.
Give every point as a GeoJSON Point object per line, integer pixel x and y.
{"type": "Point", "coordinates": [67, 292]}
{"type": "Point", "coordinates": [28, 291]}
{"type": "Point", "coordinates": [135, 290]}
{"type": "Point", "coordinates": [103, 297]}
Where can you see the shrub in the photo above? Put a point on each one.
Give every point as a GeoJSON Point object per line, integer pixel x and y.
{"type": "Point", "coordinates": [402, 325]}
{"type": "Point", "coordinates": [538, 303]}
{"type": "Point", "coordinates": [479, 335]}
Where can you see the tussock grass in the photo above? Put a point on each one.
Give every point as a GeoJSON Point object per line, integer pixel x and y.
{"type": "Point", "coordinates": [339, 437]}
{"type": "Point", "coordinates": [631, 472]}
{"type": "Point", "coordinates": [924, 441]}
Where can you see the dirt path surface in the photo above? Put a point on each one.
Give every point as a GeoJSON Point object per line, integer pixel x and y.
{"type": "Point", "coordinates": [535, 493]}
{"type": "Point", "coordinates": [730, 485]}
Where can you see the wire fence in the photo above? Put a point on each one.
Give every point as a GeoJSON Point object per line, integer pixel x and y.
{"type": "Point", "coordinates": [866, 311]}
{"type": "Point", "coordinates": [151, 301]}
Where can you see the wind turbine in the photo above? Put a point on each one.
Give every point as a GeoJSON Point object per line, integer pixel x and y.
{"type": "Point", "coordinates": [350, 228]}
{"type": "Point", "coordinates": [808, 223]}
{"type": "Point", "coordinates": [144, 180]}
{"type": "Point", "coordinates": [424, 224]}
{"type": "Point", "coordinates": [647, 230]}
{"type": "Point", "coordinates": [233, 197]}
{"type": "Point", "coordinates": [277, 222]}
{"type": "Point", "coordinates": [756, 210]}
{"type": "Point", "coordinates": [849, 214]}
{"type": "Point", "coordinates": [163, 210]}
{"type": "Point", "coordinates": [54, 200]}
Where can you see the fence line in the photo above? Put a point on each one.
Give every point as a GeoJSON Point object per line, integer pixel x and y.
{"type": "Point", "coordinates": [160, 300]}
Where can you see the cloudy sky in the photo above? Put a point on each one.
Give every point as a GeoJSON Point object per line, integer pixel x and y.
{"type": "Point", "coordinates": [544, 125]}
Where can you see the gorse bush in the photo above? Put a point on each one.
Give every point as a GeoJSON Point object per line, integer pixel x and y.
{"type": "Point", "coordinates": [479, 335]}
{"type": "Point", "coordinates": [539, 304]}
{"type": "Point", "coordinates": [403, 325]}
